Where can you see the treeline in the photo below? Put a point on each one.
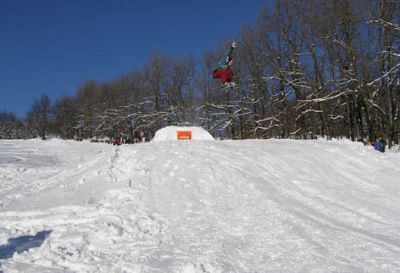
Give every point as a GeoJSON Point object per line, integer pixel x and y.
{"type": "Point", "coordinates": [160, 94]}
{"type": "Point", "coordinates": [315, 67]}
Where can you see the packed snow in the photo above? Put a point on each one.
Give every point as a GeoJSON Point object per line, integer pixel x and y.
{"type": "Point", "coordinates": [198, 206]}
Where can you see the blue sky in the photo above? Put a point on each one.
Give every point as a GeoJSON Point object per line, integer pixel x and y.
{"type": "Point", "coordinates": [53, 46]}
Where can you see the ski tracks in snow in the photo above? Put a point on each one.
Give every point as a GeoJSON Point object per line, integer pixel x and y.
{"type": "Point", "coordinates": [93, 233]}
{"type": "Point", "coordinates": [202, 206]}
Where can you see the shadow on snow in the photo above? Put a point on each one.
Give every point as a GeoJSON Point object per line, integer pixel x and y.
{"type": "Point", "coordinates": [22, 243]}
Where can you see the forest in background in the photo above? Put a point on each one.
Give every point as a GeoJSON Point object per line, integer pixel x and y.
{"type": "Point", "coordinates": [318, 67]}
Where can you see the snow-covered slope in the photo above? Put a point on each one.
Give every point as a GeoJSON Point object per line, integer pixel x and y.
{"type": "Point", "coordinates": [202, 206]}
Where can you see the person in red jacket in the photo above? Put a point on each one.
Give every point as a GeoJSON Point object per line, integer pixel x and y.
{"type": "Point", "coordinates": [224, 71]}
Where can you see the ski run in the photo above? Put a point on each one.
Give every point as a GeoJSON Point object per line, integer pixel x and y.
{"type": "Point", "coordinates": [198, 206]}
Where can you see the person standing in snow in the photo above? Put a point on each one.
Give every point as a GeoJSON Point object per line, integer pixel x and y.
{"type": "Point", "coordinates": [380, 144]}
{"type": "Point", "coordinates": [366, 141]}
{"type": "Point", "coordinates": [142, 137]}
{"type": "Point", "coordinates": [224, 71]}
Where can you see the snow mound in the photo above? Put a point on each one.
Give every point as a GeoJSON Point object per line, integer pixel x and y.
{"type": "Point", "coordinates": [170, 133]}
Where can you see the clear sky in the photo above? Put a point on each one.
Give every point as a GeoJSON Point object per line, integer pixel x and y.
{"type": "Point", "coordinates": [53, 46]}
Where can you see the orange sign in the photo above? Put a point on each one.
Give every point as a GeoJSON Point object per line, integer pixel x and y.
{"type": "Point", "coordinates": [182, 135]}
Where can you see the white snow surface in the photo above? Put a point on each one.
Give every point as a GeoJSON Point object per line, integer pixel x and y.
{"type": "Point", "coordinates": [169, 133]}
{"type": "Point", "coordinates": [202, 206]}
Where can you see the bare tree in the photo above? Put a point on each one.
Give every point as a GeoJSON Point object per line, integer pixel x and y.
{"type": "Point", "coordinates": [40, 116]}
{"type": "Point", "coordinates": [65, 110]}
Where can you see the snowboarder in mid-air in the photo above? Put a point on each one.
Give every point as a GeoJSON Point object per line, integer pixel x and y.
{"type": "Point", "coordinates": [224, 71]}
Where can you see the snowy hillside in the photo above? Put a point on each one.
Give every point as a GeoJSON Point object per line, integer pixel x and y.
{"type": "Point", "coordinates": [199, 206]}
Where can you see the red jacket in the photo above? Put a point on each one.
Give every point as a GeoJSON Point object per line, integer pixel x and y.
{"type": "Point", "coordinates": [226, 75]}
